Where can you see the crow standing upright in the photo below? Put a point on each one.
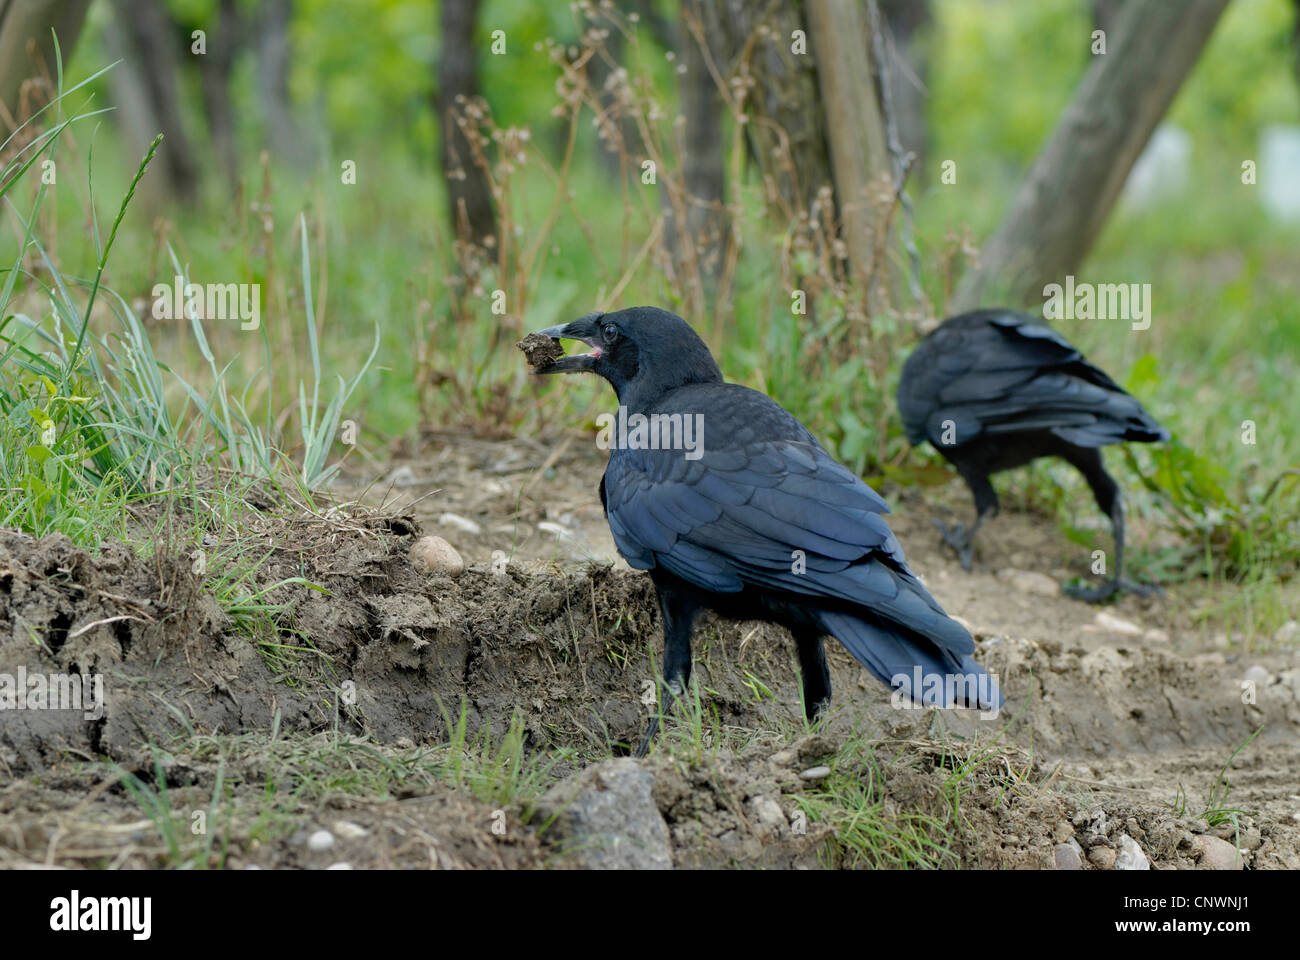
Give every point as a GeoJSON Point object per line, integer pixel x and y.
{"type": "Point", "coordinates": [757, 522]}
{"type": "Point", "coordinates": [995, 389]}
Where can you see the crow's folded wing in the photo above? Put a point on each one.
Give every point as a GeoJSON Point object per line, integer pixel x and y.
{"type": "Point", "coordinates": [776, 514]}
{"type": "Point", "coordinates": [1011, 374]}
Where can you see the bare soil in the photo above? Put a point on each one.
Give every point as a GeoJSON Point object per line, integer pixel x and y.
{"type": "Point", "coordinates": [1115, 724]}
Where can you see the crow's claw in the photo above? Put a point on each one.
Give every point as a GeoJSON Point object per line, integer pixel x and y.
{"type": "Point", "coordinates": [961, 540]}
{"type": "Point", "coordinates": [650, 732]}
{"type": "Point", "coordinates": [1110, 588]}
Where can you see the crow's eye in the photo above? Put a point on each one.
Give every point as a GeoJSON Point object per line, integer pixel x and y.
{"type": "Point", "coordinates": [610, 332]}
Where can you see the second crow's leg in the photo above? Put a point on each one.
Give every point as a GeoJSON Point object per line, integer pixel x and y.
{"type": "Point", "coordinates": [1089, 462]}
{"type": "Point", "coordinates": [986, 505]}
{"type": "Point", "coordinates": [677, 609]}
{"type": "Point", "coordinates": [816, 674]}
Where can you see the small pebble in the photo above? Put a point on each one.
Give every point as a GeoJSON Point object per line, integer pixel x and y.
{"type": "Point", "coordinates": [320, 840]}
{"type": "Point", "coordinates": [1114, 624]}
{"type": "Point", "coordinates": [436, 555]}
{"type": "Point", "coordinates": [1215, 854]}
{"type": "Point", "coordinates": [1130, 855]}
{"type": "Point", "coordinates": [463, 524]}
{"type": "Point", "coordinates": [1257, 675]}
{"type": "Point", "coordinates": [1102, 857]}
{"type": "Point", "coordinates": [768, 812]}
{"type": "Point", "coordinates": [1067, 857]}
{"type": "Point", "coordinates": [403, 476]}
{"type": "Point", "coordinates": [1030, 581]}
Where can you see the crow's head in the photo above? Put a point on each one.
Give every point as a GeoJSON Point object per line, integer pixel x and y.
{"type": "Point", "coordinates": [641, 351]}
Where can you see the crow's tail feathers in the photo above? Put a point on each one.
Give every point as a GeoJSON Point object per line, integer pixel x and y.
{"type": "Point", "coordinates": [912, 666]}
{"type": "Point", "coordinates": [1114, 417]}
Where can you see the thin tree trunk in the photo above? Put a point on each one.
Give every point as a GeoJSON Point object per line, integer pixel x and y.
{"type": "Point", "coordinates": [1105, 13]}
{"type": "Point", "coordinates": [469, 197]}
{"type": "Point", "coordinates": [1072, 186]}
{"type": "Point", "coordinates": [214, 73]}
{"type": "Point", "coordinates": [907, 73]}
{"type": "Point", "coordinates": [286, 137]}
{"type": "Point", "coordinates": [1295, 40]}
{"type": "Point", "coordinates": [703, 173]}
{"type": "Point", "coordinates": [751, 42]}
{"type": "Point", "coordinates": [145, 86]}
{"type": "Point", "coordinates": [27, 48]}
{"type": "Point", "coordinates": [859, 150]}
{"type": "Point", "coordinates": [622, 134]}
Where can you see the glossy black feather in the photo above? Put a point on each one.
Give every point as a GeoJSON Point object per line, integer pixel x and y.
{"type": "Point", "coordinates": [765, 524]}
{"type": "Point", "coordinates": [995, 373]}
{"type": "Point", "coordinates": [995, 389]}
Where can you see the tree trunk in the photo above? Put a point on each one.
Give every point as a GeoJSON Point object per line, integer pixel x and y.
{"type": "Point", "coordinates": [785, 127]}
{"type": "Point", "coordinates": [287, 139]}
{"type": "Point", "coordinates": [704, 237]}
{"type": "Point", "coordinates": [27, 49]}
{"type": "Point", "coordinates": [469, 196]}
{"type": "Point", "coordinates": [145, 89]}
{"type": "Point", "coordinates": [1105, 13]}
{"type": "Point", "coordinates": [1072, 186]}
{"type": "Point", "coordinates": [214, 73]}
{"type": "Point", "coordinates": [1295, 40]}
{"type": "Point", "coordinates": [859, 150]}
{"type": "Point", "coordinates": [907, 73]}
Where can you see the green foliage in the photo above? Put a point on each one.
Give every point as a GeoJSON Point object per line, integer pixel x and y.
{"type": "Point", "coordinates": [991, 87]}
{"type": "Point", "coordinates": [1246, 76]}
{"type": "Point", "coordinates": [88, 423]}
{"type": "Point", "coordinates": [1232, 526]}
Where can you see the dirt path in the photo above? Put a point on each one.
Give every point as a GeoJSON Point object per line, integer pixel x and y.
{"type": "Point", "coordinates": [1118, 724]}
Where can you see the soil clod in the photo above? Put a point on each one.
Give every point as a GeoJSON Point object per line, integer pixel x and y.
{"type": "Point", "coordinates": [540, 350]}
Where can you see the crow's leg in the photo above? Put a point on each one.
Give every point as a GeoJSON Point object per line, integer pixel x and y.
{"type": "Point", "coordinates": [816, 674]}
{"type": "Point", "coordinates": [678, 609]}
{"type": "Point", "coordinates": [1089, 462]}
{"type": "Point", "coordinates": [986, 505]}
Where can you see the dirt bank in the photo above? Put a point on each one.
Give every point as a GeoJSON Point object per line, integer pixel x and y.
{"type": "Point", "coordinates": [1116, 728]}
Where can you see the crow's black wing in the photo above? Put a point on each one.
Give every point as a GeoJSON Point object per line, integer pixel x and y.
{"type": "Point", "coordinates": [766, 506]}
{"type": "Point", "coordinates": [993, 373]}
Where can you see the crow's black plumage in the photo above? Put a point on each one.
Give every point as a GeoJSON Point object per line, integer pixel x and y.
{"type": "Point", "coordinates": [995, 389]}
{"type": "Point", "coordinates": [764, 524]}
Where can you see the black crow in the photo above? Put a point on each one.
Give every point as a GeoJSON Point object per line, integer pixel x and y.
{"type": "Point", "coordinates": [731, 504]}
{"type": "Point", "coordinates": [995, 389]}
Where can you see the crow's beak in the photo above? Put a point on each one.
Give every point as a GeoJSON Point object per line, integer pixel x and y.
{"type": "Point", "coordinates": [585, 329]}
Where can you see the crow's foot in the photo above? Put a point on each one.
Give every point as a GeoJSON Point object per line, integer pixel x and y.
{"type": "Point", "coordinates": [1110, 588]}
{"type": "Point", "coordinates": [961, 540]}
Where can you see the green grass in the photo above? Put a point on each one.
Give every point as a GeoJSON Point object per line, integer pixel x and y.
{"type": "Point", "coordinates": [258, 788]}
{"type": "Point", "coordinates": [98, 432]}
{"type": "Point", "coordinates": [869, 830]}
{"type": "Point", "coordinates": [1216, 810]}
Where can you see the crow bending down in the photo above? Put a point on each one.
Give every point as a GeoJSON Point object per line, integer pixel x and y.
{"type": "Point", "coordinates": [757, 521]}
{"type": "Point", "coordinates": [995, 389]}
